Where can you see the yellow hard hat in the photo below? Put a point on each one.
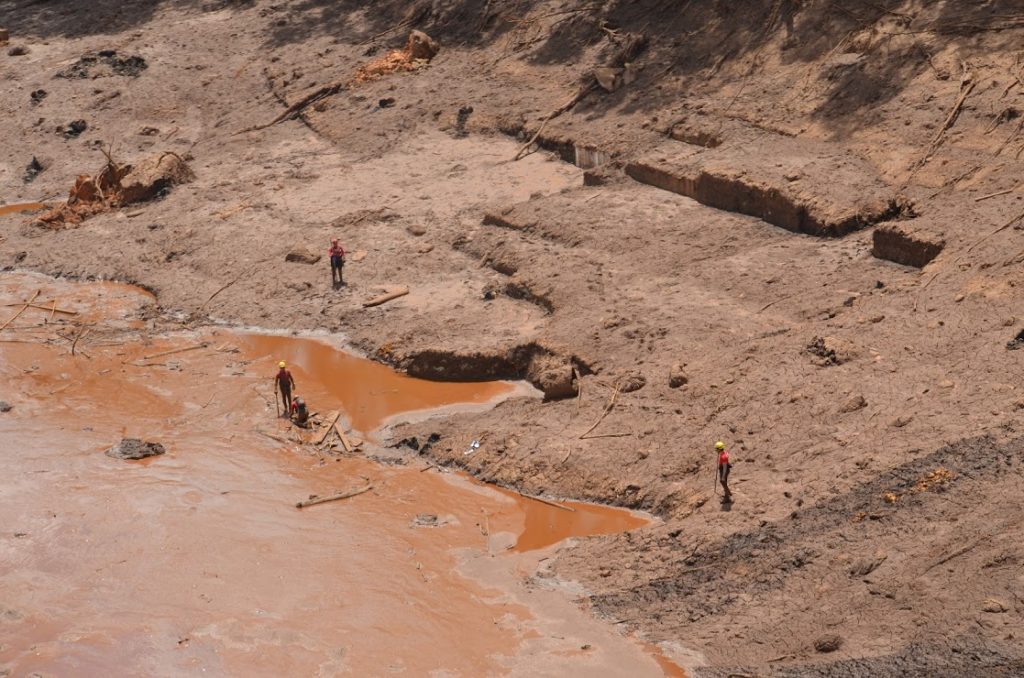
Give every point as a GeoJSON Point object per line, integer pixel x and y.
{"type": "Point", "coordinates": [281, 364]}
{"type": "Point", "coordinates": [719, 445]}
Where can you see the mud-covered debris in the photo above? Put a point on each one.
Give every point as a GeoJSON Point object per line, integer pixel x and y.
{"type": "Point", "coordinates": [153, 177]}
{"type": "Point", "coordinates": [831, 351]}
{"type": "Point", "coordinates": [994, 605]}
{"type": "Point", "coordinates": [425, 520]}
{"type": "Point", "coordinates": [936, 480]}
{"type": "Point", "coordinates": [117, 185]}
{"type": "Point", "coordinates": [37, 96]}
{"type": "Point", "coordinates": [149, 131]}
{"type": "Point", "coordinates": [133, 448]}
{"type": "Point", "coordinates": [386, 102]}
{"type": "Point", "coordinates": [418, 52]}
{"type": "Point", "coordinates": [421, 46]}
{"type": "Point", "coordinates": [5, 406]}
{"type": "Point", "coordinates": [104, 63]}
{"type": "Point", "coordinates": [32, 170]}
{"type": "Point", "coordinates": [5, 35]}
{"type": "Point", "coordinates": [73, 129]}
{"type": "Point", "coordinates": [865, 566]}
{"type": "Point", "coordinates": [461, 119]}
{"type": "Point", "coordinates": [830, 642]}
{"type": "Point", "coordinates": [1016, 342]}
{"type": "Point", "coordinates": [17, 50]}
{"type": "Point", "coordinates": [677, 376]}
{"type": "Point", "coordinates": [416, 230]}
{"type": "Point", "coordinates": [301, 255]}
{"type": "Point", "coordinates": [553, 376]}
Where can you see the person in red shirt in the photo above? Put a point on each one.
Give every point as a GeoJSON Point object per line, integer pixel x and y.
{"type": "Point", "coordinates": [723, 471]}
{"type": "Point", "coordinates": [284, 384]}
{"type": "Point", "coordinates": [336, 253]}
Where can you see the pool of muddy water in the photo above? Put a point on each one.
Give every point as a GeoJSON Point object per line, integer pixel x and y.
{"type": "Point", "coordinates": [198, 561]}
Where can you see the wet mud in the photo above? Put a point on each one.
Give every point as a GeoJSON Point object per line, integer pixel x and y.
{"type": "Point", "coordinates": [197, 561]}
{"type": "Point", "coordinates": [21, 208]}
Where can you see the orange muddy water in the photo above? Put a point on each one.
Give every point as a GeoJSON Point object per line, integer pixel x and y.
{"type": "Point", "coordinates": [21, 208]}
{"type": "Point", "coordinates": [198, 563]}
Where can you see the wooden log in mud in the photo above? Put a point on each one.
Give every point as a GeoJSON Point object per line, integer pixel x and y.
{"type": "Point", "coordinates": [384, 298]}
{"type": "Point", "coordinates": [314, 500]}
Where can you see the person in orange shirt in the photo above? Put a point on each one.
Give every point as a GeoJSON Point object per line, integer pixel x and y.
{"type": "Point", "coordinates": [723, 471]}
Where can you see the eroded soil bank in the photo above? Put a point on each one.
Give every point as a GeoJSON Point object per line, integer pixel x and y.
{"type": "Point", "coordinates": [198, 561]}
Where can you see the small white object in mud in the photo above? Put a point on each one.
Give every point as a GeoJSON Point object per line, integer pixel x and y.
{"type": "Point", "coordinates": [473, 447]}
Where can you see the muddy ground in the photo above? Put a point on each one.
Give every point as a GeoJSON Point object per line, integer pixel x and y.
{"type": "Point", "coordinates": [767, 172]}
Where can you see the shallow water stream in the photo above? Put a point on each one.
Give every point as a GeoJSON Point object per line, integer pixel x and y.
{"type": "Point", "coordinates": [198, 562]}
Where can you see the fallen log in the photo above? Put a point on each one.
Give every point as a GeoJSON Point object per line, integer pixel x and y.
{"type": "Point", "coordinates": [274, 437]}
{"type": "Point", "coordinates": [384, 298]}
{"type": "Point", "coordinates": [314, 500]}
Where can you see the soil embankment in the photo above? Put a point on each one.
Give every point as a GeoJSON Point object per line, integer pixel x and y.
{"type": "Point", "coordinates": [830, 285]}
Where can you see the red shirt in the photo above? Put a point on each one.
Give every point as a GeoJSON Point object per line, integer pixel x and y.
{"type": "Point", "coordinates": [723, 458]}
{"type": "Point", "coordinates": [336, 251]}
{"type": "Point", "coordinates": [284, 377]}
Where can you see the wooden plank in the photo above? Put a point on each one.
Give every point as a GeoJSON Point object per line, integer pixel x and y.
{"type": "Point", "coordinates": [344, 438]}
{"type": "Point", "coordinates": [331, 419]}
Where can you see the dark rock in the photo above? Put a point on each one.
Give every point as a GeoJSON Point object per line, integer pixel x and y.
{"type": "Point", "coordinates": [5, 406]}
{"type": "Point", "coordinates": [38, 96]}
{"type": "Point", "coordinates": [17, 50]}
{"type": "Point", "coordinates": [301, 255]}
{"type": "Point", "coordinates": [32, 170]}
{"type": "Point", "coordinates": [149, 131]}
{"type": "Point", "coordinates": [133, 448]}
{"type": "Point", "coordinates": [387, 102]}
{"type": "Point", "coordinates": [828, 643]}
{"type": "Point", "coordinates": [73, 129]}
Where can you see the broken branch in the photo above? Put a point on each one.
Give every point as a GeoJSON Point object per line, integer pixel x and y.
{"type": "Point", "coordinates": [173, 351]}
{"type": "Point", "coordinates": [20, 311]}
{"type": "Point", "coordinates": [313, 499]}
{"type": "Point", "coordinates": [548, 502]}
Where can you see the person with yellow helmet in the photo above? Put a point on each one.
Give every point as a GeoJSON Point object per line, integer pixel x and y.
{"type": "Point", "coordinates": [284, 384]}
{"type": "Point", "coordinates": [723, 471]}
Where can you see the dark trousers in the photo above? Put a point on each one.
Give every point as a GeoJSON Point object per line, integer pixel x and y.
{"type": "Point", "coordinates": [286, 397]}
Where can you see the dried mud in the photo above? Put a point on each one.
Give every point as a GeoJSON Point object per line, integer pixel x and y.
{"type": "Point", "coordinates": [823, 120]}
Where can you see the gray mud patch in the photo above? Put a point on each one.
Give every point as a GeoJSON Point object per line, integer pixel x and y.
{"type": "Point", "coordinates": [134, 449]}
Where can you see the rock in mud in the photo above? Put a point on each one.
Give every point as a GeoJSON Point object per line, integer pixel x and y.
{"type": "Point", "coordinates": [37, 96]}
{"type": "Point", "coordinates": [422, 46]}
{"type": "Point", "coordinates": [133, 448]}
{"type": "Point", "coordinates": [828, 643]}
{"type": "Point", "coordinates": [865, 566]}
{"type": "Point", "coordinates": [633, 381]}
{"type": "Point", "coordinates": [553, 376]}
{"type": "Point", "coordinates": [677, 376]}
{"type": "Point", "coordinates": [852, 404]}
{"type": "Point", "coordinates": [831, 351]}
{"type": "Point", "coordinates": [17, 50]}
{"type": "Point", "coordinates": [301, 255]}
{"type": "Point", "coordinates": [994, 606]}
{"type": "Point", "coordinates": [153, 177]}
{"type": "Point", "coordinates": [73, 129]}
{"type": "Point", "coordinates": [5, 406]}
